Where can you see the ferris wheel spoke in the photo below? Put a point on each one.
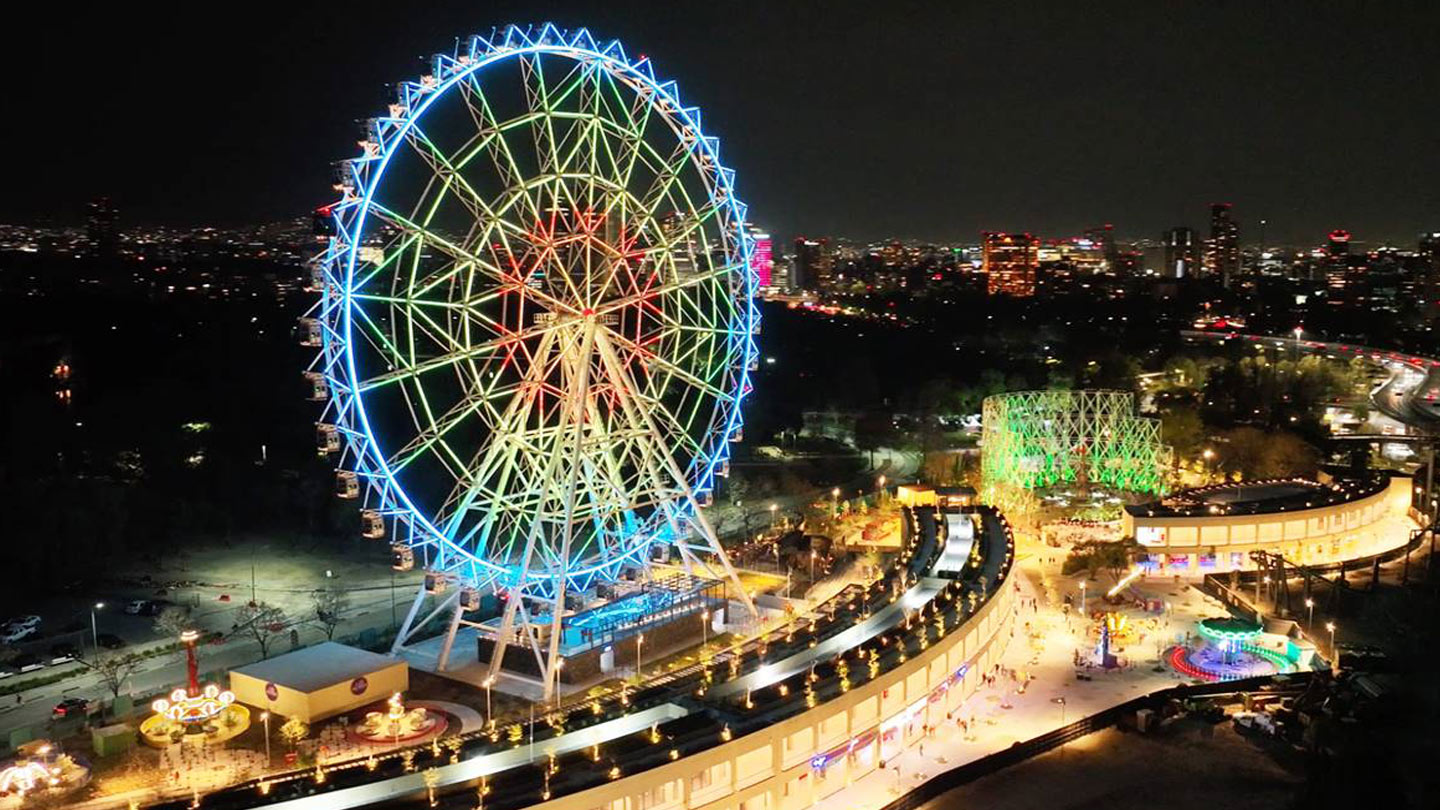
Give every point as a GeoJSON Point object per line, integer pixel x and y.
{"type": "Point", "coordinates": [502, 158]}
{"type": "Point", "coordinates": [454, 180]}
{"type": "Point", "coordinates": [413, 369]}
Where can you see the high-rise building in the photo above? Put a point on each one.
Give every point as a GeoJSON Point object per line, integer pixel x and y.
{"type": "Point", "coordinates": [1182, 252]}
{"type": "Point", "coordinates": [1010, 262]}
{"type": "Point", "coordinates": [1428, 284]}
{"type": "Point", "coordinates": [1346, 274]}
{"type": "Point", "coordinates": [1103, 238]}
{"type": "Point", "coordinates": [102, 227]}
{"type": "Point", "coordinates": [1222, 249]}
{"type": "Point", "coordinates": [813, 264]}
{"type": "Point", "coordinates": [762, 256]}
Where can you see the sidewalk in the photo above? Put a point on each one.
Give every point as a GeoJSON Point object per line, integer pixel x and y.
{"type": "Point", "coordinates": [1000, 715]}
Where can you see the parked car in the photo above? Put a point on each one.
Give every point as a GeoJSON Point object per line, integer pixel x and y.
{"type": "Point", "coordinates": [70, 707]}
{"type": "Point", "coordinates": [31, 621]}
{"type": "Point", "coordinates": [135, 606]}
{"type": "Point", "coordinates": [10, 635]}
{"type": "Point", "coordinates": [110, 641]}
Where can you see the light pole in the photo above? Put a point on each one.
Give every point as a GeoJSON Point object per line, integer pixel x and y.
{"type": "Point", "coordinates": [1334, 657]}
{"type": "Point", "coordinates": [834, 502]}
{"type": "Point", "coordinates": [1310, 622]}
{"type": "Point", "coordinates": [489, 715]}
{"type": "Point", "coordinates": [639, 640]}
{"type": "Point", "coordinates": [704, 629]}
{"type": "Point", "coordinates": [1061, 701]}
{"type": "Point", "coordinates": [1083, 583]}
{"type": "Point", "coordinates": [812, 567]}
{"type": "Point", "coordinates": [773, 507]}
{"type": "Point", "coordinates": [94, 632]}
{"type": "Point", "coordinates": [265, 717]}
{"type": "Point", "coordinates": [1298, 331]}
{"type": "Point", "coordinates": [1207, 455]}
{"type": "Point", "coordinates": [880, 496]}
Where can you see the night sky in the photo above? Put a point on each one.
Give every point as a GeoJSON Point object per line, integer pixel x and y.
{"type": "Point", "coordinates": [865, 119]}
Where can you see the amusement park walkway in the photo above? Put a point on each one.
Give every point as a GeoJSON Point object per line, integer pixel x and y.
{"type": "Point", "coordinates": [1042, 648]}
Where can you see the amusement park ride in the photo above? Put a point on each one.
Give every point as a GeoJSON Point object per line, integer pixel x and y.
{"type": "Point", "coordinates": [536, 329]}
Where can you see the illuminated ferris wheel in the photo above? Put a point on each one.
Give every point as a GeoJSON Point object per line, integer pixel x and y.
{"type": "Point", "coordinates": [536, 324]}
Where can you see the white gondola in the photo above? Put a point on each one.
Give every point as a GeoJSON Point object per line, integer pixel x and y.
{"type": "Point", "coordinates": [469, 599]}
{"type": "Point", "coordinates": [435, 583]}
{"type": "Point", "coordinates": [327, 439]}
{"type": "Point", "coordinates": [753, 364]}
{"type": "Point", "coordinates": [755, 327]}
{"type": "Point", "coordinates": [319, 388]}
{"type": "Point", "coordinates": [724, 469]}
{"type": "Point", "coordinates": [310, 332]}
{"type": "Point", "coordinates": [317, 276]}
{"type": "Point", "coordinates": [347, 485]}
{"type": "Point", "coordinates": [704, 497]}
{"type": "Point", "coordinates": [738, 435]}
{"type": "Point", "coordinates": [372, 525]}
{"type": "Point", "coordinates": [402, 558]}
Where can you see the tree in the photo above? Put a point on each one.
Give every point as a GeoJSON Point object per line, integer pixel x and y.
{"type": "Point", "coordinates": [172, 621]}
{"type": "Point", "coordinates": [1182, 429]}
{"type": "Point", "coordinates": [263, 622]}
{"type": "Point", "coordinates": [293, 731]}
{"type": "Point", "coordinates": [331, 603]}
{"type": "Point", "coordinates": [114, 670]}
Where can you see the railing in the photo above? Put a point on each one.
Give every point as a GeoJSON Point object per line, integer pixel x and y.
{"type": "Point", "coordinates": [1000, 760]}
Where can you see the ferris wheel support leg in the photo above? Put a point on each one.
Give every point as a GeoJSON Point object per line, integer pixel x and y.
{"type": "Point", "coordinates": [403, 634]}
{"type": "Point", "coordinates": [617, 370]}
{"type": "Point", "coordinates": [449, 642]}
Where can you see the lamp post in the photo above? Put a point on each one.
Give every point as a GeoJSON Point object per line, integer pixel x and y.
{"type": "Point", "coordinates": [1334, 657]}
{"type": "Point", "coordinates": [704, 629]}
{"type": "Point", "coordinates": [95, 633]}
{"type": "Point", "coordinates": [1083, 583]}
{"type": "Point", "coordinates": [812, 567]}
{"type": "Point", "coordinates": [880, 497]}
{"type": "Point", "coordinates": [1298, 332]}
{"type": "Point", "coordinates": [834, 502]}
{"type": "Point", "coordinates": [265, 718]}
{"type": "Point", "coordinates": [1310, 622]}
{"type": "Point", "coordinates": [639, 640]}
{"type": "Point", "coordinates": [1061, 701]}
{"type": "Point", "coordinates": [489, 715]}
{"type": "Point", "coordinates": [1207, 455]}
{"type": "Point", "coordinates": [773, 508]}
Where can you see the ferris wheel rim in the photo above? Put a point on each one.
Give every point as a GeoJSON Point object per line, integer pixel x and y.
{"type": "Point", "coordinates": [666, 99]}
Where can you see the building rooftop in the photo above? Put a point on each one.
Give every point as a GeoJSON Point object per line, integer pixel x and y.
{"type": "Point", "coordinates": [316, 667]}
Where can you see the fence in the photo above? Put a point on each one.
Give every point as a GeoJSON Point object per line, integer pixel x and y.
{"type": "Point", "coordinates": [1000, 760]}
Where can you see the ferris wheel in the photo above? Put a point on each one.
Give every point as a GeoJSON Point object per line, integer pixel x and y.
{"type": "Point", "coordinates": [536, 325]}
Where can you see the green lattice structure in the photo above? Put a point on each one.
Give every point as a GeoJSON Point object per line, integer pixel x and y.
{"type": "Point", "coordinates": [1037, 439]}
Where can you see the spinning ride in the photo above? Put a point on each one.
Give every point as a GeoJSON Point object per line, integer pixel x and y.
{"type": "Point", "coordinates": [535, 328]}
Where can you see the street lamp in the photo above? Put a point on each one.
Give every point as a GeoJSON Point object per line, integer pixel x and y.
{"type": "Point", "coordinates": [812, 567]}
{"type": "Point", "coordinates": [1207, 455]}
{"type": "Point", "coordinates": [834, 502]}
{"type": "Point", "coordinates": [489, 715]}
{"type": "Point", "coordinates": [94, 633]}
{"type": "Point", "coordinates": [1310, 622]}
{"type": "Point", "coordinates": [265, 717]}
{"type": "Point", "coordinates": [773, 507]}
{"type": "Point", "coordinates": [704, 629]}
{"type": "Point", "coordinates": [639, 639]}
{"type": "Point", "coordinates": [1298, 331]}
{"type": "Point", "coordinates": [1083, 583]}
{"type": "Point", "coordinates": [1334, 658]}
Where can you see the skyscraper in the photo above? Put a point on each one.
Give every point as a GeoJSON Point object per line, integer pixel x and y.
{"type": "Point", "coordinates": [1182, 253]}
{"type": "Point", "coordinates": [1346, 275]}
{"type": "Point", "coordinates": [1010, 262]}
{"type": "Point", "coordinates": [1222, 249]}
{"type": "Point", "coordinates": [762, 258]}
{"type": "Point", "coordinates": [813, 264]}
{"type": "Point", "coordinates": [102, 227]}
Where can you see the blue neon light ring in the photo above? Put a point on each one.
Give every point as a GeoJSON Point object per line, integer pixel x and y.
{"type": "Point", "coordinates": [339, 308]}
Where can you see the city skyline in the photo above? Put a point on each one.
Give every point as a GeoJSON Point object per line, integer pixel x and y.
{"type": "Point", "coordinates": [1194, 112]}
